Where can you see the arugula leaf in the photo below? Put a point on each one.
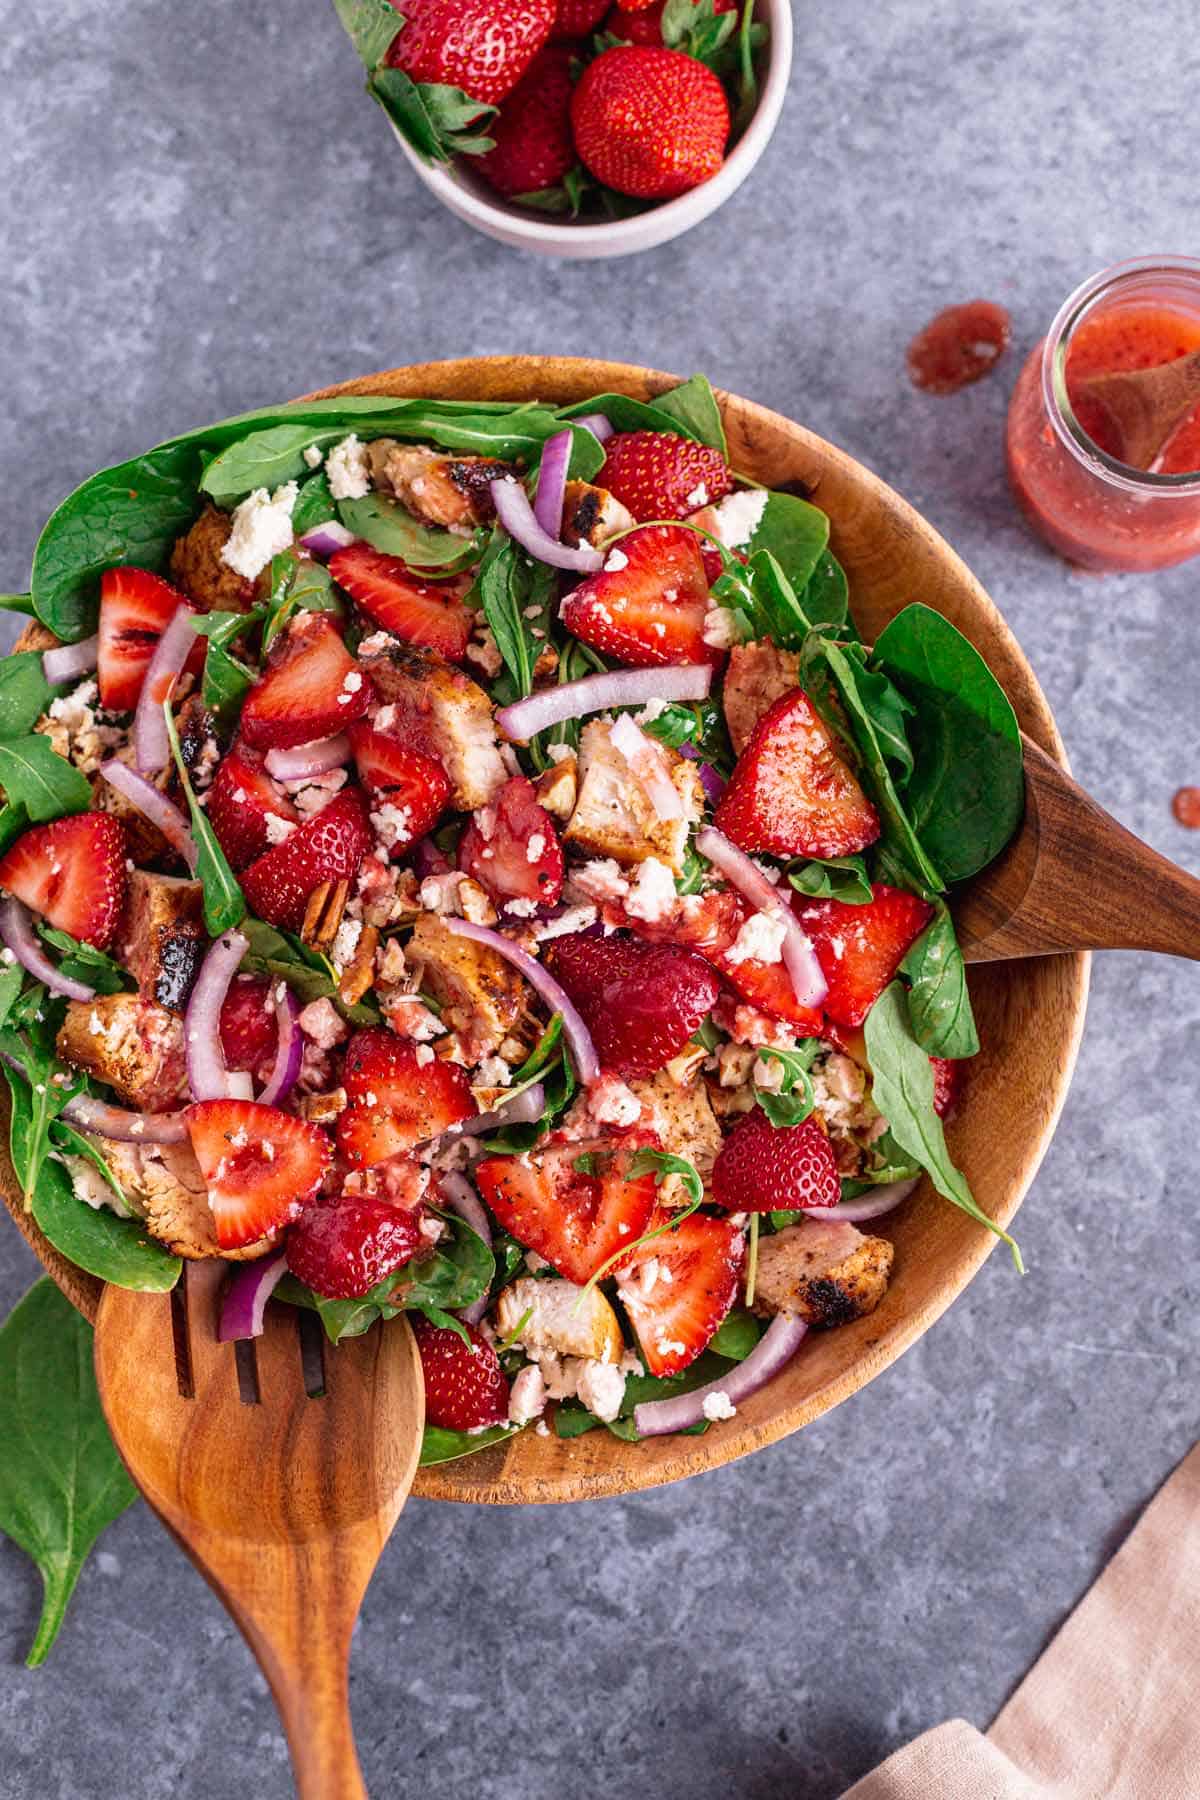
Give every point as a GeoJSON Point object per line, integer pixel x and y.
{"type": "Point", "coordinates": [36, 778]}
{"type": "Point", "coordinates": [82, 962]}
{"type": "Point", "coordinates": [395, 531]}
{"type": "Point", "coordinates": [371, 26]}
{"type": "Point", "coordinates": [693, 405]}
{"type": "Point", "coordinates": [939, 1004]}
{"type": "Point", "coordinates": [224, 902]}
{"type": "Point", "coordinates": [61, 1480]}
{"type": "Point", "coordinates": [841, 878]}
{"type": "Point", "coordinates": [662, 1164]}
{"type": "Point", "coordinates": [439, 122]}
{"type": "Point", "coordinates": [24, 692]}
{"type": "Point", "coordinates": [794, 1101]}
{"type": "Point", "coordinates": [516, 594]}
{"type": "Point", "coordinates": [966, 793]}
{"type": "Point", "coordinates": [902, 1079]}
{"type": "Point", "coordinates": [440, 1445]}
{"type": "Point", "coordinates": [544, 1052]}
{"type": "Point", "coordinates": [225, 685]}
{"type": "Point", "coordinates": [297, 585]}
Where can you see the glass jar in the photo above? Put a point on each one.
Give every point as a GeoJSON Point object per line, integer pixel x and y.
{"type": "Point", "coordinates": [1092, 508]}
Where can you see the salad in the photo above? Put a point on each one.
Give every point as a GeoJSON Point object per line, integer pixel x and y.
{"type": "Point", "coordinates": [459, 858]}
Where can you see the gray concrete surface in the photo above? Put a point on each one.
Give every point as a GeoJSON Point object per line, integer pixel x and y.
{"type": "Point", "coordinates": [201, 213]}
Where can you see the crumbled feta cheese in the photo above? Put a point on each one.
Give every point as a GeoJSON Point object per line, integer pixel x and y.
{"type": "Point", "coordinates": [721, 628]}
{"type": "Point", "coordinates": [345, 943]}
{"type": "Point", "coordinates": [559, 752]}
{"type": "Point", "coordinates": [576, 918]}
{"type": "Point", "coordinates": [527, 1396]}
{"type": "Point", "coordinates": [718, 1405]}
{"type": "Point", "coordinates": [670, 1347]}
{"type": "Point", "coordinates": [91, 1187]}
{"type": "Point", "coordinates": [616, 559]}
{"type": "Point", "coordinates": [493, 1071]}
{"type": "Point", "coordinates": [262, 528]}
{"type": "Point", "coordinates": [759, 940]}
{"type": "Point", "coordinates": [314, 456]}
{"type": "Point", "coordinates": [424, 1055]}
{"type": "Point", "coordinates": [310, 793]}
{"type": "Point", "coordinates": [439, 893]}
{"type": "Point", "coordinates": [520, 908]}
{"type": "Point", "coordinates": [535, 846]}
{"type": "Point", "coordinates": [652, 710]}
{"type": "Point", "coordinates": [372, 646]}
{"type": "Point", "coordinates": [652, 896]}
{"type": "Point", "coordinates": [739, 516]}
{"type": "Point", "coordinates": [601, 1387]}
{"type": "Point", "coordinates": [348, 471]}
{"type": "Point", "coordinates": [610, 1102]}
{"type": "Point", "coordinates": [769, 1073]}
{"type": "Point", "coordinates": [321, 1021]}
{"type": "Point", "coordinates": [697, 498]}
{"type": "Point", "coordinates": [278, 829]}
{"type": "Point", "coordinates": [392, 824]}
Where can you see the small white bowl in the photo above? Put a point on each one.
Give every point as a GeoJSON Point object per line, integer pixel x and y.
{"type": "Point", "coordinates": [471, 199]}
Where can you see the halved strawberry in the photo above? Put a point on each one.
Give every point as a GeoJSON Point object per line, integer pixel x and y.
{"type": "Point", "coordinates": [574, 1219]}
{"type": "Point", "coordinates": [641, 1002]}
{"type": "Point", "coordinates": [415, 784]}
{"type": "Point", "coordinates": [648, 604]}
{"type": "Point", "coordinates": [767, 1168]}
{"type": "Point", "coordinates": [241, 803]}
{"type": "Point", "coordinates": [260, 1165]}
{"type": "Point", "coordinates": [769, 987]}
{"type": "Point", "coordinates": [511, 847]}
{"type": "Point", "coordinates": [344, 1248]}
{"type": "Point", "coordinates": [418, 612]}
{"type": "Point", "coordinates": [135, 607]}
{"type": "Point", "coordinates": [791, 793]}
{"type": "Point", "coordinates": [399, 1094]}
{"type": "Point", "coordinates": [465, 1387]}
{"type": "Point", "coordinates": [657, 475]}
{"type": "Point", "coordinates": [249, 1032]}
{"type": "Point", "coordinates": [328, 847]}
{"type": "Point", "coordinates": [860, 948]}
{"type": "Point", "coordinates": [312, 687]}
{"type": "Point", "coordinates": [72, 872]}
{"type": "Point", "coordinates": [677, 1288]}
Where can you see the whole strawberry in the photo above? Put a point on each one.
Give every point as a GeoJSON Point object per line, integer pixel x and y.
{"type": "Point", "coordinates": [767, 1168]}
{"type": "Point", "coordinates": [641, 1002]}
{"type": "Point", "coordinates": [344, 1249]}
{"type": "Point", "coordinates": [650, 123]}
{"type": "Point", "coordinates": [481, 46]}
{"type": "Point", "coordinates": [659, 475]}
{"type": "Point", "coordinates": [532, 131]}
{"type": "Point", "coordinates": [577, 18]}
{"type": "Point", "coordinates": [465, 1387]}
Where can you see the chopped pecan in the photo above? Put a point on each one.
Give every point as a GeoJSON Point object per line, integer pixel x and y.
{"type": "Point", "coordinates": [360, 970]}
{"type": "Point", "coordinates": [323, 914]}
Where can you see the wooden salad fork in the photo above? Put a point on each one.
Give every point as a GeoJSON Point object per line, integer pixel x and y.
{"type": "Point", "coordinates": [281, 1471]}
{"type": "Point", "coordinates": [1074, 879]}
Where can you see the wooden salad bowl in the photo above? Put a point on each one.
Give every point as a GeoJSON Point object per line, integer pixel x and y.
{"type": "Point", "coordinates": [1030, 1012]}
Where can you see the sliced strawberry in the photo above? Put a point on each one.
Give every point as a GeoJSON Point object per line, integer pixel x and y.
{"type": "Point", "coordinates": [948, 1080]}
{"type": "Point", "coordinates": [328, 847]}
{"type": "Point", "coordinates": [399, 1094]}
{"type": "Point", "coordinates": [511, 847]}
{"type": "Point", "coordinates": [767, 1168]}
{"type": "Point", "coordinates": [242, 801]}
{"type": "Point", "coordinates": [648, 604]}
{"type": "Point", "coordinates": [791, 793]}
{"type": "Point", "coordinates": [260, 1166]}
{"type": "Point", "coordinates": [465, 1387]}
{"type": "Point", "coordinates": [860, 948]}
{"type": "Point", "coordinates": [415, 784]}
{"type": "Point", "coordinates": [769, 987]}
{"type": "Point", "coordinates": [677, 1289]}
{"type": "Point", "coordinates": [312, 687]}
{"type": "Point", "coordinates": [135, 608]}
{"type": "Point", "coordinates": [418, 612]}
{"type": "Point", "coordinates": [641, 1002]}
{"type": "Point", "coordinates": [72, 872]}
{"type": "Point", "coordinates": [249, 1032]}
{"type": "Point", "coordinates": [344, 1248]}
{"type": "Point", "coordinates": [657, 475]}
{"type": "Point", "coordinates": [574, 1219]}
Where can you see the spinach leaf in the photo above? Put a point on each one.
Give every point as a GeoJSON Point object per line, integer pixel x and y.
{"type": "Point", "coordinates": [24, 692]}
{"type": "Point", "coordinates": [571, 1420]}
{"type": "Point", "coordinates": [61, 1480]}
{"type": "Point", "coordinates": [310, 975]}
{"type": "Point", "coordinates": [315, 505]}
{"type": "Point", "coordinates": [693, 405]}
{"type": "Point", "coordinates": [902, 1081]}
{"type": "Point", "coordinates": [226, 684]}
{"type": "Point", "coordinates": [36, 778]}
{"type": "Point", "coordinates": [439, 1445]}
{"type": "Point", "coordinates": [37, 1100]}
{"type": "Point", "coordinates": [395, 531]}
{"type": "Point", "coordinates": [624, 414]}
{"type": "Point", "coordinates": [458, 1272]}
{"type": "Point", "coordinates": [841, 878]}
{"type": "Point", "coordinates": [371, 25]}
{"type": "Point", "coordinates": [939, 1004]}
{"type": "Point", "coordinates": [439, 122]}
{"type": "Point", "coordinates": [739, 1331]}
{"type": "Point", "coordinates": [297, 585]}
{"type": "Point", "coordinates": [796, 534]}
{"type": "Point", "coordinates": [18, 603]}
{"type": "Point", "coordinates": [825, 597]}
{"type": "Point", "coordinates": [13, 821]}
{"type": "Point", "coordinates": [341, 1318]}
{"type": "Point", "coordinates": [82, 962]}
{"type": "Point", "coordinates": [966, 794]}
{"type": "Point", "coordinates": [12, 978]}
{"type": "Point", "coordinates": [224, 902]}
{"type": "Point", "coordinates": [516, 595]}
{"type": "Point", "coordinates": [700, 724]}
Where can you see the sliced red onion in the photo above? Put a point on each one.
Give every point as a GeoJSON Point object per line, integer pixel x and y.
{"type": "Point", "coordinates": [598, 425]}
{"type": "Point", "coordinates": [583, 1051]}
{"type": "Point", "coordinates": [66, 662]}
{"type": "Point", "coordinates": [461, 1198]}
{"type": "Point", "coordinates": [16, 928]}
{"type": "Point", "coordinates": [523, 1109]}
{"type": "Point", "coordinates": [517, 517]}
{"type": "Point", "coordinates": [152, 748]}
{"type": "Point", "coordinates": [290, 1053]}
{"type": "Point", "coordinates": [324, 541]}
{"type": "Point", "coordinates": [808, 981]}
{"type": "Point", "coordinates": [427, 859]}
{"type": "Point", "coordinates": [870, 1206]}
{"type": "Point", "coordinates": [154, 806]}
{"type": "Point", "coordinates": [244, 1307]}
{"type": "Point", "coordinates": [124, 1127]}
{"type": "Point", "coordinates": [596, 693]}
{"type": "Point", "coordinates": [309, 759]}
{"type": "Point", "coordinates": [714, 785]}
{"type": "Point", "coordinates": [648, 765]}
{"type": "Point", "coordinates": [774, 1350]}
{"type": "Point", "coordinates": [552, 483]}
{"type": "Point", "coordinates": [208, 1075]}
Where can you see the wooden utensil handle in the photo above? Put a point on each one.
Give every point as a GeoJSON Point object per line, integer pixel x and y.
{"type": "Point", "coordinates": [313, 1697]}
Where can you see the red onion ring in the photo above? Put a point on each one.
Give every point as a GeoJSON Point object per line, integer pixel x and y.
{"type": "Point", "coordinates": [245, 1303]}
{"type": "Point", "coordinates": [552, 483]}
{"type": "Point", "coordinates": [154, 806]}
{"type": "Point", "coordinates": [517, 517]}
{"type": "Point", "coordinates": [16, 928]}
{"type": "Point", "coordinates": [290, 1053]}
{"type": "Point", "coordinates": [714, 785]}
{"type": "Point", "coordinates": [208, 1076]}
{"type": "Point", "coordinates": [522, 1109]}
{"type": "Point", "coordinates": [774, 1350]}
{"type": "Point", "coordinates": [597, 424]}
{"type": "Point", "coordinates": [122, 1126]}
{"type": "Point", "coordinates": [68, 661]}
{"type": "Point", "coordinates": [309, 759]}
{"type": "Point", "coordinates": [324, 541]}
{"type": "Point", "coordinates": [152, 748]}
{"type": "Point", "coordinates": [870, 1206]}
{"type": "Point", "coordinates": [808, 980]}
{"type": "Point", "coordinates": [648, 765]}
{"type": "Point", "coordinates": [596, 693]}
{"type": "Point", "coordinates": [587, 1063]}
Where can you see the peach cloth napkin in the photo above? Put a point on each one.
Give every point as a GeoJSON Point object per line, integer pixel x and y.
{"type": "Point", "coordinates": [1109, 1711]}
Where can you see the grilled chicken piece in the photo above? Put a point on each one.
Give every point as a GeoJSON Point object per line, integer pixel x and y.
{"type": "Point", "coordinates": [196, 566]}
{"type": "Point", "coordinates": [441, 489]}
{"type": "Point", "coordinates": [163, 940]}
{"type": "Point", "coordinates": [613, 815]}
{"type": "Point", "coordinates": [144, 841]}
{"type": "Point", "coordinates": [686, 1124]}
{"type": "Point", "coordinates": [592, 515]}
{"type": "Point", "coordinates": [825, 1273]}
{"type": "Point", "coordinates": [755, 677]}
{"type": "Point", "coordinates": [165, 1189]}
{"type": "Point", "coordinates": [559, 1320]}
{"type": "Point", "coordinates": [131, 1043]}
{"type": "Point", "coordinates": [479, 993]}
{"type": "Point", "coordinates": [558, 788]}
{"type": "Point", "coordinates": [433, 706]}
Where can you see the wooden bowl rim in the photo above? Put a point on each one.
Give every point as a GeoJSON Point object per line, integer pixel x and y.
{"type": "Point", "coordinates": [693, 1455]}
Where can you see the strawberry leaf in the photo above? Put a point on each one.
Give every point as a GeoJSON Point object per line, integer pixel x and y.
{"type": "Point", "coordinates": [433, 118]}
{"type": "Point", "coordinates": [371, 26]}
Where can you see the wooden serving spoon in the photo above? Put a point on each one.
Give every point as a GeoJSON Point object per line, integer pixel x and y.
{"type": "Point", "coordinates": [281, 1479]}
{"type": "Point", "coordinates": [1147, 405]}
{"type": "Point", "coordinates": [1073, 879]}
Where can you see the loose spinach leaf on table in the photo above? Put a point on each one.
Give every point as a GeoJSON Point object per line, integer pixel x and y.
{"type": "Point", "coordinates": [61, 1480]}
{"type": "Point", "coordinates": [36, 778]}
{"type": "Point", "coordinates": [841, 878]}
{"type": "Point", "coordinates": [224, 902]}
{"type": "Point", "coordinates": [392, 529]}
{"type": "Point", "coordinates": [24, 692]}
{"type": "Point", "coordinates": [939, 1004]}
